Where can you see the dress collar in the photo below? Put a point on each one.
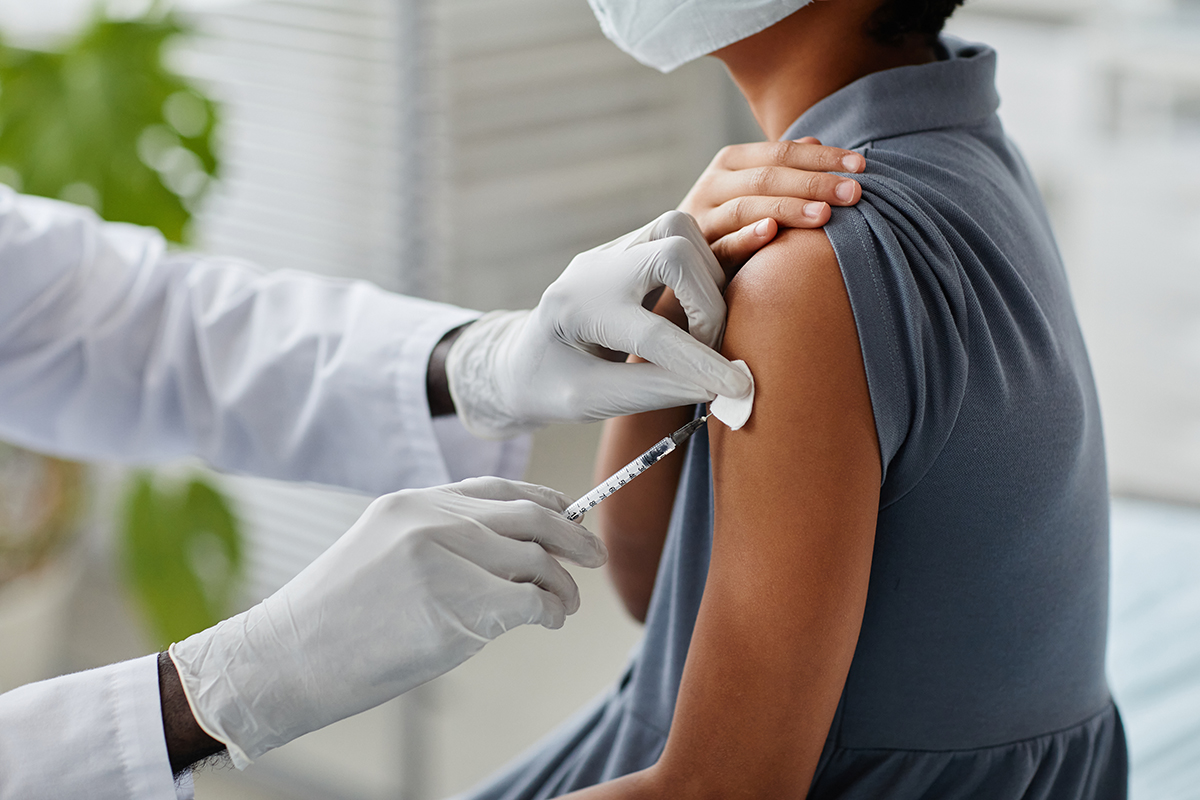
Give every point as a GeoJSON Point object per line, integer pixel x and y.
{"type": "Point", "coordinates": [958, 90]}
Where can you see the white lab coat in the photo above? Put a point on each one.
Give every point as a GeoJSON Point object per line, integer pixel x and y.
{"type": "Point", "coordinates": [113, 347]}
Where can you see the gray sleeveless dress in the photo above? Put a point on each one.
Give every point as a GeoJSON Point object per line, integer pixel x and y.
{"type": "Point", "coordinates": [979, 672]}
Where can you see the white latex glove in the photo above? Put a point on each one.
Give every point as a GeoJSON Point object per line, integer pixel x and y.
{"type": "Point", "coordinates": [419, 584]}
{"type": "Point", "coordinates": [513, 371]}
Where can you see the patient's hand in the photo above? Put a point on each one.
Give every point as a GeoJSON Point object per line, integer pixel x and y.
{"type": "Point", "coordinates": [788, 182]}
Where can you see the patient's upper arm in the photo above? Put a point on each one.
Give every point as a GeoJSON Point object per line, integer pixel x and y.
{"type": "Point", "coordinates": [796, 499]}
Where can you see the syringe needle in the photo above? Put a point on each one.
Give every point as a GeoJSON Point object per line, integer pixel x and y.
{"type": "Point", "coordinates": [683, 434]}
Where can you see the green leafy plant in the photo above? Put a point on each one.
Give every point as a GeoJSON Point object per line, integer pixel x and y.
{"type": "Point", "coordinates": [104, 121]}
{"type": "Point", "coordinates": [183, 556]}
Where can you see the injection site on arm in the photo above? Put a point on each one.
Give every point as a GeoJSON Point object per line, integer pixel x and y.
{"type": "Point", "coordinates": [735, 411]}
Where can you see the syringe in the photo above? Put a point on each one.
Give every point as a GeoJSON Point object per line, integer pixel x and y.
{"type": "Point", "coordinates": [634, 468]}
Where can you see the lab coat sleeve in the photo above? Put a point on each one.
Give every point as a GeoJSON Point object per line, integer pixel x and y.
{"type": "Point", "coordinates": [112, 347]}
{"type": "Point", "coordinates": [95, 734]}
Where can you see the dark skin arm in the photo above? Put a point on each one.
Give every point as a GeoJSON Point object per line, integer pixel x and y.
{"type": "Point", "coordinates": [187, 742]}
{"type": "Point", "coordinates": [437, 385]}
{"type": "Point", "coordinates": [796, 500]}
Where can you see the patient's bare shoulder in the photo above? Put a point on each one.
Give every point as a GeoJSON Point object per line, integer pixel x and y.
{"type": "Point", "coordinates": [790, 319]}
{"type": "Point", "coordinates": [799, 267]}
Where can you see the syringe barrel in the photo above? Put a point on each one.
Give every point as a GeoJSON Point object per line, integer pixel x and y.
{"type": "Point", "coordinates": [620, 478]}
{"type": "Point", "coordinates": [650, 457]}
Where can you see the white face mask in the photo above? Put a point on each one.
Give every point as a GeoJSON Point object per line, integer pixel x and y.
{"type": "Point", "coordinates": [667, 33]}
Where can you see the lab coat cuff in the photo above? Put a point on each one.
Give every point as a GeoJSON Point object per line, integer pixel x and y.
{"type": "Point", "coordinates": [95, 734]}
{"type": "Point", "coordinates": [138, 731]}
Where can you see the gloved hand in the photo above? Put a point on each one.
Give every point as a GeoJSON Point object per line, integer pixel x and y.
{"type": "Point", "coordinates": [418, 585]}
{"type": "Point", "coordinates": [513, 371]}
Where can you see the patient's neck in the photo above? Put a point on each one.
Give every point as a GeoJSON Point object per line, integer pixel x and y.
{"type": "Point", "coordinates": [789, 67]}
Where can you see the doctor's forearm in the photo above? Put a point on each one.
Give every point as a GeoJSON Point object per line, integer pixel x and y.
{"type": "Point", "coordinates": [187, 742]}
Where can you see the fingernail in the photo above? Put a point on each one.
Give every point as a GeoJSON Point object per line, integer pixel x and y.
{"type": "Point", "coordinates": [854, 162]}
{"type": "Point", "coordinates": [813, 210]}
{"type": "Point", "coordinates": [845, 191]}
{"type": "Point", "coordinates": [762, 227]}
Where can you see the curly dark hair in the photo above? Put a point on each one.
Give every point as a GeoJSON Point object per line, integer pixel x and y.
{"type": "Point", "coordinates": [895, 20]}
